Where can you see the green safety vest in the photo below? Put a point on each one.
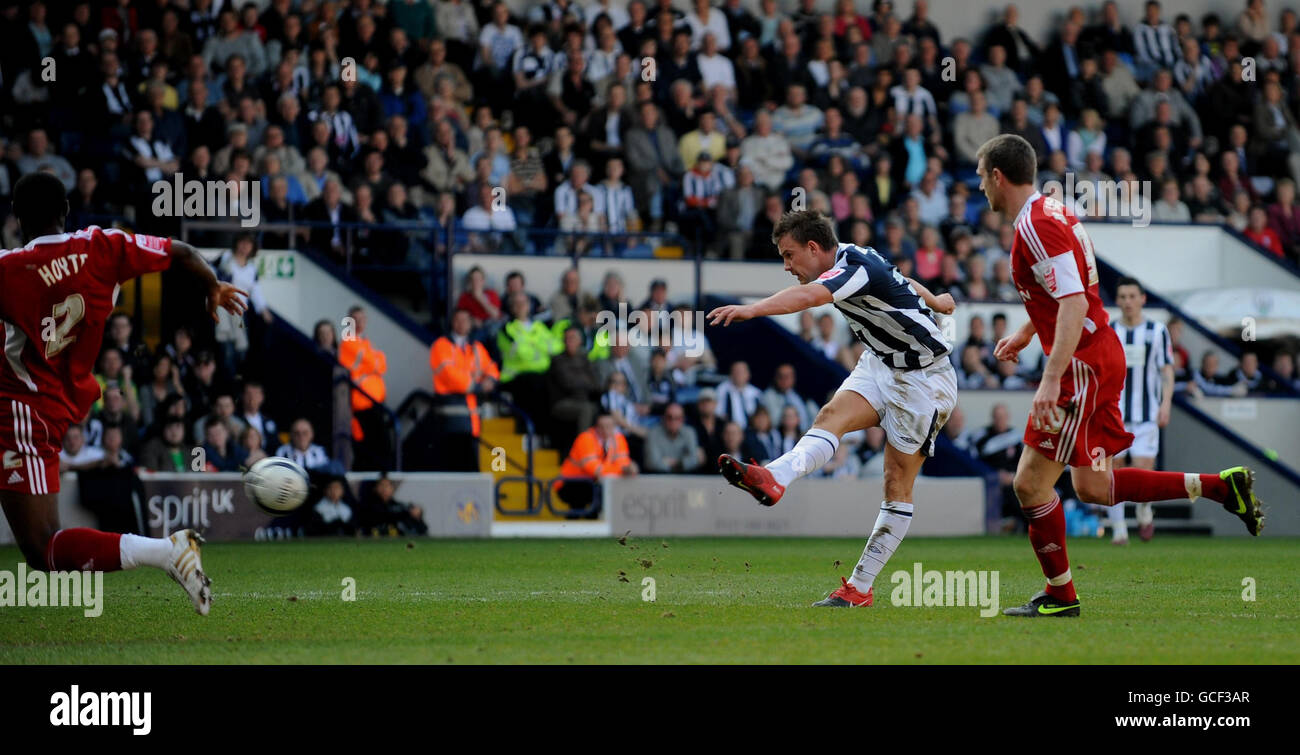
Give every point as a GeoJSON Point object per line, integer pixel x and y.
{"type": "Point", "coordinates": [525, 348]}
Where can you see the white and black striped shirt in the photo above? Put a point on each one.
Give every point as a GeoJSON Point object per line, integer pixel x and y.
{"type": "Point", "coordinates": [536, 65]}
{"type": "Point", "coordinates": [313, 458]}
{"type": "Point", "coordinates": [619, 403]}
{"type": "Point", "coordinates": [566, 198]}
{"type": "Point", "coordinates": [1147, 349]}
{"type": "Point", "coordinates": [619, 206]}
{"type": "Point", "coordinates": [1156, 45]}
{"type": "Point", "coordinates": [736, 404]}
{"type": "Point", "coordinates": [703, 190]}
{"type": "Point", "coordinates": [1199, 72]}
{"type": "Point", "coordinates": [919, 102]}
{"type": "Point", "coordinates": [343, 130]}
{"type": "Point", "coordinates": [883, 310]}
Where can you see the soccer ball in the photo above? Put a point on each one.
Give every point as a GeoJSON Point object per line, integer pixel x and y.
{"type": "Point", "coordinates": [276, 484]}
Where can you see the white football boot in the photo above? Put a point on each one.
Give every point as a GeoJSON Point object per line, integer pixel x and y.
{"type": "Point", "coordinates": [186, 568]}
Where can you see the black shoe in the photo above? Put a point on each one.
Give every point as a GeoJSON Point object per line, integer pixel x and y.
{"type": "Point", "coordinates": [1241, 498]}
{"type": "Point", "coordinates": [1043, 604]}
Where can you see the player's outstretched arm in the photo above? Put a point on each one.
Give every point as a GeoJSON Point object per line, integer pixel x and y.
{"type": "Point", "coordinates": [1009, 348]}
{"type": "Point", "coordinates": [944, 304]}
{"type": "Point", "coordinates": [220, 295]}
{"type": "Point", "coordinates": [793, 299]}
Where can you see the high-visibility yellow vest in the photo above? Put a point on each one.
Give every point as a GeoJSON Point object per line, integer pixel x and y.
{"type": "Point", "coordinates": [525, 348]}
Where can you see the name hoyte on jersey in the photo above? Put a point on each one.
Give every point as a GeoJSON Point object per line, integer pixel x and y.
{"type": "Point", "coordinates": [61, 267]}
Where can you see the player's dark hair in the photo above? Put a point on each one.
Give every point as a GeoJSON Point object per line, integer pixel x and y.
{"type": "Point", "coordinates": [1127, 281]}
{"type": "Point", "coordinates": [804, 226]}
{"type": "Point", "coordinates": [1011, 155]}
{"type": "Point", "coordinates": [40, 201]}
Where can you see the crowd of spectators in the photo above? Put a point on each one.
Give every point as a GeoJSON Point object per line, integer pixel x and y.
{"type": "Point", "coordinates": [705, 119]}
{"type": "Point", "coordinates": [177, 409]}
{"type": "Point", "coordinates": [644, 116]}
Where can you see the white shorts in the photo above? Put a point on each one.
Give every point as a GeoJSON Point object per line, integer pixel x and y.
{"type": "Point", "coordinates": [1146, 439]}
{"type": "Point", "coordinates": [913, 404]}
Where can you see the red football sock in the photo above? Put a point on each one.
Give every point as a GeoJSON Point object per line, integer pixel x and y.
{"type": "Point", "coordinates": [1140, 485]}
{"type": "Point", "coordinates": [83, 549]}
{"type": "Point", "coordinates": [1047, 536]}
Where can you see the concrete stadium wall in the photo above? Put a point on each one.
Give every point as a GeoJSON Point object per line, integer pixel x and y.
{"type": "Point", "coordinates": [1211, 451]}
{"type": "Point", "coordinates": [1179, 258]}
{"type": "Point", "coordinates": [654, 505]}
{"type": "Point", "coordinates": [1270, 423]}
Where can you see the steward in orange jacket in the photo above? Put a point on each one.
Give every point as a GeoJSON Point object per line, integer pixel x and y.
{"type": "Point", "coordinates": [461, 368]}
{"type": "Point", "coordinates": [600, 451]}
{"type": "Point", "coordinates": [364, 363]}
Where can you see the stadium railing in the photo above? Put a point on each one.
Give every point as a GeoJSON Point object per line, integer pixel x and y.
{"type": "Point", "coordinates": [365, 248]}
{"type": "Point", "coordinates": [537, 489]}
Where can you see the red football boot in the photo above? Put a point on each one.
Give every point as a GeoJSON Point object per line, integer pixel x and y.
{"type": "Point", "coordinates": [751, 478]}
{"type": "Point", "coordinates": [846, 596]}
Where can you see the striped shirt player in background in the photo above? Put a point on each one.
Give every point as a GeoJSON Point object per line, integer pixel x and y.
{"type": "Point", "coordinates": [904, 381]}
{"type": "Point", "coordinates": [1075, 419]}
{"type": "Point", "coordinates": [58, 291]}
{"type": "Point", "coordinates": [1147, 397]}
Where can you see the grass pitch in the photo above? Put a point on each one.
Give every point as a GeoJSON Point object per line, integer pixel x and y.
{"type": "Point", "coordinates": [732, 600]}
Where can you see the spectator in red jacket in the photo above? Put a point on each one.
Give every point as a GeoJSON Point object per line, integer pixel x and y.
{"type": "Point", "coordinates": [1259, 232]}
{"type": "Point", "coordinates": [482, 303]}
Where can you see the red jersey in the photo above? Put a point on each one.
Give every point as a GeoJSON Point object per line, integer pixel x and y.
{"type": "Point", "coordinates": [1051, 258]}
{"type": "Point", "coordinates": [56, 293]}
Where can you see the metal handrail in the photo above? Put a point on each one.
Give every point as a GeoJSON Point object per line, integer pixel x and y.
{"type": "Point", "coordinates": [456, 239]}
{"type": "Point", "coordinates": [530, 438]}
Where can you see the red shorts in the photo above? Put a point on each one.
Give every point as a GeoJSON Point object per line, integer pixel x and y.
{"type": "Point", "coordinates": [30, 446]}
{"type": "Point", "coordinates": [1088, 427]}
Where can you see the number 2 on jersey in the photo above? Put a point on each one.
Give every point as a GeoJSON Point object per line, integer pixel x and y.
{"type": "Point", "coordinates": [71, 309]}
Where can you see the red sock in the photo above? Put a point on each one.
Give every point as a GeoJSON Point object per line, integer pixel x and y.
{"type": "Point", "coordinates": [1140, 485]}
{"type": "Point", "coordinates": [83, 549]}
{"type": "Point", "coordinates": [1047, 536]}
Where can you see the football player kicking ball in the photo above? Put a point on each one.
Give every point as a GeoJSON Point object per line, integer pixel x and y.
{"type": "Point", "coordinates": [57, 293]}
{"type": "Point", "coordinates": [904, 381]}
{"type": "Point", "coordinates": [1075, 419]}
